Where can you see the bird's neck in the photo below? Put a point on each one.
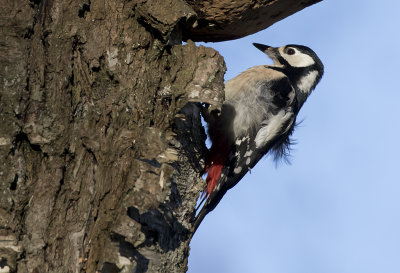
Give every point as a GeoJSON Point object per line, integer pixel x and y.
{"type": "Point", "coordinates": [303, 80]}
{"type": "Point", "coordinates": [306, 82]}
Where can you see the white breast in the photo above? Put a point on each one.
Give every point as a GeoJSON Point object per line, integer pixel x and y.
{"type": "Point", "coordinates": [244, 92]}
{"type": "Point", "coordinates": [273, 126]}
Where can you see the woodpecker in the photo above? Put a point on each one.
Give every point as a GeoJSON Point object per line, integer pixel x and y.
{"type": "Point", "coordinates": [257, 117]}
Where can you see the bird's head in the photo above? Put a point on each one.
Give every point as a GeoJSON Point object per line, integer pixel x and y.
{"type": "Point", "coordinates": [300, 63]}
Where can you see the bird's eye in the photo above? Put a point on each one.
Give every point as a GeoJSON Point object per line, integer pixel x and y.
{"type": "Point", "coordinates": [290, 51]}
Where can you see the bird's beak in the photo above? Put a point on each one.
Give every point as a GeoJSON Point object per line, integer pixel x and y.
{"type": "Point", "coordinates": [272, 52]}
{"type": "Point", "coordinates": [261, 47]}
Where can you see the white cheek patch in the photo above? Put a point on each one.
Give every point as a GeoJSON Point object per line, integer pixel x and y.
{"type": "Point", "coordinates": [271, 130]}
{"type": "Point", "coordinates": [298, 59]}
{"type": "Point", "coordinates": [307, 81]}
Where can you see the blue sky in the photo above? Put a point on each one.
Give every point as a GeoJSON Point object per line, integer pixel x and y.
{"type": "Point", "coordinates": [336, 208]}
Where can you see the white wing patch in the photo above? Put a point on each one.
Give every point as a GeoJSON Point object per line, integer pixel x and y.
{"type": "Point", "coordinates": [239, 141]}
{"type": "Point", "coordinates": [270, 130]}
{"type": "Point", "coordinates": [307, 81]}
{"type": "Point", "coordinates": [237, 170]}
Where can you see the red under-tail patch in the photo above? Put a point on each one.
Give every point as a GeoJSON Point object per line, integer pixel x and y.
{"type": "Point", "coordinates": [212, 177]}
{"type": "Point", "coordinates": [214, 164]}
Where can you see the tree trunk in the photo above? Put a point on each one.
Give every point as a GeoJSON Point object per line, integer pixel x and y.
{"type": "Point", "coordinates": [101, 142]}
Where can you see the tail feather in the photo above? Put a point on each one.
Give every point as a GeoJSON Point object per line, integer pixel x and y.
{"type": "Point", "coordinates": [215, 162]}
{"type": "Point", "coordinates": [214, 171]}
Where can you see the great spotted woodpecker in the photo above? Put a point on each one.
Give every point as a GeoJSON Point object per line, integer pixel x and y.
{"type": "Point", "coordinates": [257, 117]}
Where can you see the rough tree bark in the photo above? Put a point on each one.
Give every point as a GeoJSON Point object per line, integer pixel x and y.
{"type": "Point", "coordinates": [101, 143]}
